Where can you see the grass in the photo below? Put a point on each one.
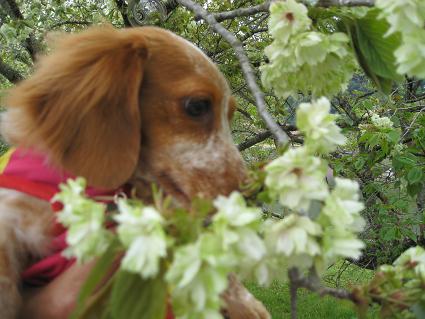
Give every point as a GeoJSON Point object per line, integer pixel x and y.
{"type": "Point", "coordinates": [310, 305]}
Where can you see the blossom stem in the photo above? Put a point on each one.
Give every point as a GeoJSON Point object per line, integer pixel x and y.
{"type": "Point", "coordinates": [293, 288]}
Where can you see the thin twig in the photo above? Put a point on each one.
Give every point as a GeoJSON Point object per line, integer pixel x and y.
{"type": "Point", "coordinates": [122, 8]}
{"type": "Point", "coordinates": [241, 12]}
{"type": "Point", "coordinates": [247, 70]}
{"type": "Point", "coordinates": [254, 141]}
{"type": "Point", "coordinates": [365, 95]}
{"type": "Point", "coordinates": [69, 22]}
{"type": "Point", "coordinates": [416, 99]}
{"type": "Point", "coordinates": [345, 3]}
{"type": "Point", "coordinates": [293, 288]}
{"type": "Point", "coordinates": [30, 43]}
{"type": "Point", "coordinates": [249, 11]}
{"type": "Point", "coordinates": [245, 114]}
{"type": "Point", "coordinates": [10, 73]}
{"type": "Point", "coordinates": [412, 123]}
{"type": "Point", "coordinates": [312, 283]}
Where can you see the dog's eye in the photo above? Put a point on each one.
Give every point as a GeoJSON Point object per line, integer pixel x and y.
{"type": "Point", "coordinates": [197, 107]}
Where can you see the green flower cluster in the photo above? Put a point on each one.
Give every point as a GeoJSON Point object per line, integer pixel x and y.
{"type": "Point", "coordinates": [302, 59]}
{"type": "Point", "coordinates": [87, 238]}
{"type": "Point", "coordinates": [407, 17]}
{"type": "Point", "coordinates": [297, 180]}
{"type": "Point", "coordinates": [140, 230]}
{"type": "Point", "coordinates": [322, 135]}
{"type": "Point", "coordinates": [199, 270]}
{"type": "Point", "coordinates": [341, 222]}
{"type": "Point", "coordinates": [198, 275]}
{"type": "Point", "coordinates": [381, 122]}
{"type": "Point", "coordinates": [399, 288]}
{"type": "Point", "coordinates": [297, 239]}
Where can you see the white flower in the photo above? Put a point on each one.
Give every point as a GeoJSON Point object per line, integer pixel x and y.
{"type": "Point", "coordinates": [381, 122]}
{"type": "Point", "coordinates": [342, 207]}
{"type": "Point", "coordinates": [237, 226]}
{"type": "Point", "coordinates": [295, 237]}
{"type": "Point", "coordinates": [414, 258]}
{"type": "Point", "coordinates": [87, 238]}
{"type": "Point", "coordinates": [410, 56]}
{"type": "Point", "coordinates": [296, 178]}
{"type": "Point", "coordinates": [337, 243]}
{"type": "Point", "coordinates": [321, 132]}
{"type": "Point", "coordinates": [407, 17]}
{"type": "Point", "coordinates": [304, 60]}
{"type": "Point", "coordinates": [341, 221]}
{"type": "Point", "coordinates": [141, 232]}
{"type": "Point", "coordinates": [199, 270]}
{"type": "Point", "coordinates": [402, 15]}
{"type": "Point", "coordinates": [233, 211]}
{"type": "Point", "coordinates": [198, 274]}
{"type": "Point", "coordinates": [313, 47]}
{"type": "Point", "coordinates": [288, 18]}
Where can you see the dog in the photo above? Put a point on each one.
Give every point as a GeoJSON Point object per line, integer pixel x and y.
{"type": "Point", "coordinates": [137, 106]}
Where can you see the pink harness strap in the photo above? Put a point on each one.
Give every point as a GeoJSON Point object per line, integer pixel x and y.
{"type": "Point", "coordinates": [29, 172]}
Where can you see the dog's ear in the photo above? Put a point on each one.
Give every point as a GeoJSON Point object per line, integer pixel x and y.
{"type": "Point", "coordinates": [81, 105]}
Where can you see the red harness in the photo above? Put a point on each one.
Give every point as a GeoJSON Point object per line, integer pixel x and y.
{"type": "Point", "coordinates": [45, 270]}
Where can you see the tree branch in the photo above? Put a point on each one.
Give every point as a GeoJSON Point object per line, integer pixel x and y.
{"type": "Point", "coordinates": [312, 283]}
{"type": "Point", "coordinates": [122, 8]}
{"type": "Point", "coordinates": [247, 70]}
{"type": "Point", "coordinates": [245, 113]}
{"type": "Point", "coordinates": [14, 10]}
{"type": "Point", "coordinates": [170, 5]}
{"type": "Point", "coordinates": [71, 22]}
{"type": "Point", "coordinates": [293, 289]}
{"type": "Point", "coordinates": [10, 73]}
{"type": "Point", "coordinates": [345, 3]}
{"type": "Point", "coordinates": [30, 43]}
{"type": "Point", "coordinates": [262, 136]}
{"type": "Point", "coordinates": [243, 12]}
{"type": "Point", "coordinates": [255, 140]}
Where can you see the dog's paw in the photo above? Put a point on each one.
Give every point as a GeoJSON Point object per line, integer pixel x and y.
{"type": "Point", "coordinates": [241, 304]}
{"type": "Point", "coordinates": [10, 299]}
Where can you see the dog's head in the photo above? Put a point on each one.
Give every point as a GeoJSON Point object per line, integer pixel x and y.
{"type": "Point", "coordinates": [137, 104]}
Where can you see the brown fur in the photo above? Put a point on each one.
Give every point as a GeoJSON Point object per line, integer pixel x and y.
{"type": "Point", "coordinates": [107, 104]}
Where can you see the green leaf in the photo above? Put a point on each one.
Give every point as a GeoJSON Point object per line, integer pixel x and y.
{"type": "Point", "coordinates": [418, 310]}
{"type": "Point", "coordinates": [375, 53]}
{"type": "Point", "coordinates": [374, 140]}
{"type": "Point", "coordinates": [414, 175]}
{"type": "Point", "coordinates": [359, 163]}
{"type": "Point", "coordinates": [377, 49]}
{"type": "Point", "coordinates": [365, 137]}
{"type": "Point", "coordinates": [97, 274]}
{"type": "Point", "coordinates": [384, 146]}
{"type": "Point", "coordinates": [393, 136]}
{"type": "Point", "coordinates": [136, 298]}
{"type": "Point", "coordinates": [414, 189]}
{"type": "Point", "coordinates": [409, 233]}
{"type": "Point", "coordinates": [405, 160]}
{"type": "Point", "coordinates": [97, 304]}
{"type": "Point", "coordinates": [389, 234]}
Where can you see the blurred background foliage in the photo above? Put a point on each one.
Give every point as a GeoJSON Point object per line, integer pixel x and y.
{"type": "Point", "coordinates": [388, 162]}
